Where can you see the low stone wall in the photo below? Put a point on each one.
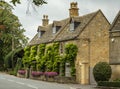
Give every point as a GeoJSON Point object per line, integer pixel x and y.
{"type": "Point", "coordinates": [58, 79]}
{"type": "Point", "coordinates": [20, 75]}
{"type": "Point", "coordinates": [63, 79]}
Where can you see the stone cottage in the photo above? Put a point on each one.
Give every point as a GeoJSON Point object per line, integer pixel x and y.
{"type": "Point", "coordinates": [89, 32]}
{"type": "Point", "coordinates": [115, 47]}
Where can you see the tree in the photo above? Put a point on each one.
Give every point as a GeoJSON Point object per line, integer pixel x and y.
{"type": "Point", "coordinates": [35, 2]}
{"type": "Point", "coordinates": [11, 31]}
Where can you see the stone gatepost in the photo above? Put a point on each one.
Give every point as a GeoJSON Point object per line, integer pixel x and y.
{"type": "Point", "coordinates": [27, 73]}
{"type": "Point", "coordinates": [84, 73]}
{"type": "Point", "coordinates": [67, 70]}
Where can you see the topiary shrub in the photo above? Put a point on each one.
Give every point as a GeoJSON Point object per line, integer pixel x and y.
{"type": "Point", "coordinates": [102, 71]}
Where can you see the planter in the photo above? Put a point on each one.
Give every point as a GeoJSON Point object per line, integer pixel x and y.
{"type": "Point", "coordinates": [37, 75]}
{"type": "Point", "coordinates": [21, 73]}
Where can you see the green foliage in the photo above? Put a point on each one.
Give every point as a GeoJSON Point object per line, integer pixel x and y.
{"type": "Point", "coordinates": [40, 57]}
{"type": "Point", "coordinates": [26, 59]}
{"type": "Point", "coordinates": [8, 61]}
{"type": "Point", "coordinates": [36, 2]}
{"type": "Point", "coordinates": [62, 65]}
{"type": "Point", "coordinates": [11, 58]}
{"type": "Point", "coordinates": [11, 32]}
{"type": "Point", "coordinates": [33, 53]}
{"type": "Point", "coordinates": [102, 71]}
{"type": "Point", "coordinates": [52, 57]}
{"type": "Point", "coordinates": [18, 66]}
{"type": "Point", "coordinates": [71, 53]}
{"type": "Point", "coordinates": [109, 84]}
{"type": "Point", "coordinates": [48, 58]}
{"type": "Point", "coordinates": [117, 80]}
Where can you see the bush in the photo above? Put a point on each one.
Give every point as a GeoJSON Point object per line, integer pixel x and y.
{"type": "Point", "coordinates": [102, 71]}
{"type": "Point", "coordinates": [109, 84]}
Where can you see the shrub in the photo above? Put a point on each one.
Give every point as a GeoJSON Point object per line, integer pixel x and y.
{"type": "Point", "coordinates": [50, 74]}
{"type": "Point", "coordinates": [36, 73]}
{"type": "Point", "coordinates": [22, 72]}
{"type": "Point", "coordinates": [102, 71]}
{"type": "Point", "coordinates": [109, 84]}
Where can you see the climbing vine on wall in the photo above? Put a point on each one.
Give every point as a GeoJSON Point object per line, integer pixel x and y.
{"type": "Point", "coordinates": [48, 58]}
{"type": "Point", "coordinates": [25, 59]}
{"type": "Point", "coordinates": [33, 53]}
{"type": "Point", "coordinates": [71, 53]}
{"type": "Point", "coordinates": [40, 57]}
{"type": "Point", "coordinates": [52, 57]}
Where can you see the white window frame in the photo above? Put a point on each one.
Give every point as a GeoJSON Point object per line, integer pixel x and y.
{"type": "Point", "coordinates": [72, 26]}
{"type": "Point", "coordinates": [39, 34]}
{"type": "Point", "coordinates": [54, 29]}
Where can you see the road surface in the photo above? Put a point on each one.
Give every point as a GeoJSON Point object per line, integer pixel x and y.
{"type": "Point", "coordinates": [12, 82]}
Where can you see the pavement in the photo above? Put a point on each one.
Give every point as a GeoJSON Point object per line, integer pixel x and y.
{"type": "Point", "coordinates": [12, 82]}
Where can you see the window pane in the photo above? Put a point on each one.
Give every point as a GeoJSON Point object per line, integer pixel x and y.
{"type": "Point", "coordinates": [54, 29]}
{"type": "Point", "coordinates": [39, 34]}
{"type": "Point", "coordinates": [72, 26]}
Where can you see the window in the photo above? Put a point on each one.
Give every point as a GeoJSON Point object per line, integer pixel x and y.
{"type": "Point", "coordinates": [56, 28]}
{"type": "Point", "coordinates": [76, 24]}
{"type": "Point", "coordinates": [39, 34]}
{"type": "Point", "coordinates": [72, 26]}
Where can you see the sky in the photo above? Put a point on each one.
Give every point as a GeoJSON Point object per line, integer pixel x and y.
{"type": "Point", "coordinates": [59, 9]}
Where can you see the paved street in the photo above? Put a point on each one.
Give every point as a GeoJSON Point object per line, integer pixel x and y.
{"type": "Point", "coordinates": [12, 82]}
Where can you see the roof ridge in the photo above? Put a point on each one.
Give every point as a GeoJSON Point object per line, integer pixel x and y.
{"type": "Point", "coordinates": [61, 29]}
{"type": "Point", "coordinates": [95, 13]}
{"type": "Point", "coordinates": [115, 19]}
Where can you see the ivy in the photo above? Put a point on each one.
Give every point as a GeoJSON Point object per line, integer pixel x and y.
{"type": "Point", "coordinates": [40, 57]}
{"type": "Point", "coordinates": [33, 53]}
{"type": "Point", "coordinates": [25, 59]}
{"type": "Point", "coordinates": [52, 57]}
{"type": "Point", "coordinates": [49, 59]}
{"type": "Point", "coordinates": [71, 53]}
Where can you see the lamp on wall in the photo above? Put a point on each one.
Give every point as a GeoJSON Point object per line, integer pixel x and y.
{"type": "Point", "coordinates": [113, 39]}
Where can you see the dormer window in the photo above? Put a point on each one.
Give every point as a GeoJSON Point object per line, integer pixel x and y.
{"type": "Point", "coordinates": [73, 25]}
{"type": "Point", "coordinates": [40, 33]}
{"type": "Point", "coordinates": [56, 29]}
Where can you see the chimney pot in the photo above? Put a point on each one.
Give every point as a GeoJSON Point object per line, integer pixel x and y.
{"type": "Point", "coordinates": [73, 11]}
{"type": "Point", "coordinates": [45, 20]}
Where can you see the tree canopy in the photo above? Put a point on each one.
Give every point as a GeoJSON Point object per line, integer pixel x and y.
{"type": "Point", "coordinates": [35, 2]}
{"type": "Point", "coordinates": [11, 31]}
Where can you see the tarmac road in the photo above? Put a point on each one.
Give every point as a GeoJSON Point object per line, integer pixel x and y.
{"type": "Point", "coordinates": [12, 82]}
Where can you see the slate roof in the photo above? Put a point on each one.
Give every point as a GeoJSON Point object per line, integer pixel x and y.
{"type": "Point", "coordinates": [116, 23]}
{"type": "Point", "coordinates": [64, 33]}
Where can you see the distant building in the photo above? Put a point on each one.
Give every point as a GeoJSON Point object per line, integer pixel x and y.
{"type": "Point", "coordinates": [115, 47]}
{"type": "Point", "coordinates": [89, 32]}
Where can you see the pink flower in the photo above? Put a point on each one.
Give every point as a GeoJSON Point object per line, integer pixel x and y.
{"type": "Point", "coordinates": [22, 72]}
{"type": "Point", "coordinates": [36, 73]}
{"type": "Point", "coordinates": [50, 74]}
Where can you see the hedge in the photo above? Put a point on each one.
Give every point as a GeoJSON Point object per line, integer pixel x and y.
{"type": "Point", "coordinates": [109, 84]}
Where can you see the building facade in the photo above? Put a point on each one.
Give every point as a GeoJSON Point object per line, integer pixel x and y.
{"type": "Point", "coordinates": [115, 47]}
{"type": "Point", "coordinates": [89, 32]}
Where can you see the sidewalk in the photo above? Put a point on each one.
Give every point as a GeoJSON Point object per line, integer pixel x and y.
{"type": "Point", "coordinates": [78, 86]}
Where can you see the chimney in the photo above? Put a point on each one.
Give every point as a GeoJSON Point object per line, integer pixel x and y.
{"type": "Point", "coordinates": [73, 11]}
{"type": "Point", "coordinates": [45, 20]}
